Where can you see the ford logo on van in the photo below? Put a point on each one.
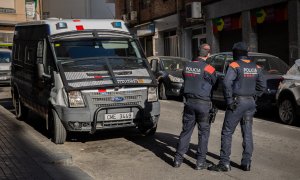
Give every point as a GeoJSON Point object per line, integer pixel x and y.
{"type": "Point", "coordinates": [118, 99]}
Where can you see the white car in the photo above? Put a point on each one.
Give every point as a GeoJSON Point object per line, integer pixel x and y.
{"type": "Point", "coordinates": [5, 64]}
{"type": "Point", "coordinates": [288, 95]}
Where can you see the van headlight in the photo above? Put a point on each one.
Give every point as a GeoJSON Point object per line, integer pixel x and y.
{"type": "Point", "coordinates": [175, 79]}
{"type": "Point", "coordinates": [152, 94]}
{"type": "Point", "coordinates": [75, 99]}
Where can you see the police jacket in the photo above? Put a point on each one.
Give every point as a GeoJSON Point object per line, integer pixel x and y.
{"type": "Point", "coordinates": [243, 78]}
{"type": "Point", "coordinates": [199, 77]}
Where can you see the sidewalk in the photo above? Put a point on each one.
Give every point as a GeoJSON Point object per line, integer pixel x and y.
{"type": "Point", "coordinates": [26, 154]}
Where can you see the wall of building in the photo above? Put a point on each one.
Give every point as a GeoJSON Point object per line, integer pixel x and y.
{"type": "Point", "coordinates": [157, 9]}
{"type": "Point", "coordinates": [280, 37]}
{"type": "Point", "coordinates": [18, 16]}
{"type": "Point", "coordinates": [227, 7]}
{"type": "Point", "coordinates": [12, 12]}
{"type": "Point", "coordinates": [88, 9]}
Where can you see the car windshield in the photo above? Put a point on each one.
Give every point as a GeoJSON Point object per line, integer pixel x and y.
{"type": "Point", "coordinates": [270, 64]}
{"type": "Point", "coordinates": [5, 57]}
{"type": "Point", "coordinates": [101, 62]}
{"type": "Point", "coordinates": [173, 64]}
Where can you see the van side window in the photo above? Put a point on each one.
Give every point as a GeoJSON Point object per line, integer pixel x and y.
{"type": "Point", "coordinates": [30, 55]}
{"type": "Point", "coordinates": [21, 54]}
{"type": "Point", "coordinates": [40, 51]}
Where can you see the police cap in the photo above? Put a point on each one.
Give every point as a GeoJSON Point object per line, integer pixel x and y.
{"type": "Point", "coordinates": [240, 46]}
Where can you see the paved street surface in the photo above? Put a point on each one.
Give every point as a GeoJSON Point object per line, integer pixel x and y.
{"type": "Point", "coordinates": [125, 154]}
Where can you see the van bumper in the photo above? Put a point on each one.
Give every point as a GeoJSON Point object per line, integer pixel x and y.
{"type": "Point", "coordinates": [87, 120]}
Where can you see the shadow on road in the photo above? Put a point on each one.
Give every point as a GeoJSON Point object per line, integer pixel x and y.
{"type": "Point", "coordinates": [162, 145]}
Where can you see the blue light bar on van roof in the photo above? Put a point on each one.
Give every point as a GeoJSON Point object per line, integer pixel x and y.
{"type": "Point", "coordinates": [61, 25]}
{"type": "Point", "coordinates": [116, 24]}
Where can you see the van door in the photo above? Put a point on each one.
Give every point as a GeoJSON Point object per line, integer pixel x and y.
{"type": "Point", "coordinates": [43, 85]}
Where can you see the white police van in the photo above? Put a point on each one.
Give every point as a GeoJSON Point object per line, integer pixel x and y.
{"type": "Point", "coordinates": [82, 75]}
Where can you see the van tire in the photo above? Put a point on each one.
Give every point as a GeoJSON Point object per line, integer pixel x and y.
{"type": "Point", "coordinates": [59, 131]}
{"type": "Point", "coordinates": [20, 110]}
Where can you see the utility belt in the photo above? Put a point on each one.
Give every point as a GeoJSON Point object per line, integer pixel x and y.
{"type": "Point", "coordinates": [196, 100]}
{"type": "Point", "coordinates": [212, 112]}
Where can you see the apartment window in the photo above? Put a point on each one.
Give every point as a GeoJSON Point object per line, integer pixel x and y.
{"type": "Point", "coordinates": [171, 43]}
{"type": "Point", "coordinates": [146, 4]}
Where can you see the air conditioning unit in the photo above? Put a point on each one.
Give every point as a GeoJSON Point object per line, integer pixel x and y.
{"type": "Point", "coordinates": [193, 10]}
{"type": "Point", "coordinates": [133, 15]}
{"type": "Point", "coordinates": [124, 17]}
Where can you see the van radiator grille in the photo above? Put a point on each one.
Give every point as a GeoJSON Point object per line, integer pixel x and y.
{"type": "Point", "coordinates": [106, 99]}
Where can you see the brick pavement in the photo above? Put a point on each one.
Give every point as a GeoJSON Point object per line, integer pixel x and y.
{"type": "Point", "coordinates": [24, 155]}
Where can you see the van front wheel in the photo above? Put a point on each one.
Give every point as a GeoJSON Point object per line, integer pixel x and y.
{"type": "Point", "coordinates": [59, 131]}
{"type": "Point", "coordinates": [20, 110]}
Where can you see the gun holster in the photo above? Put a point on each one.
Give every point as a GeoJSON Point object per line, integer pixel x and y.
{"type": "Point", "coordinates": [212, 114]}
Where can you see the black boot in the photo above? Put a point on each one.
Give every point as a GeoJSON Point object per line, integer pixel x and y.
{"type": "Point", "coordinates": [176, 163]}
{"type": "Point", "coordinates": [246, 167]}
{"type": "Point", "coordinates": [200, 166]}
{"type": "Point", "coordinates": [220, 167]}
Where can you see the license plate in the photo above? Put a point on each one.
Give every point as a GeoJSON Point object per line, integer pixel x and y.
{"type": "Point", "coordinates": [118, 116]}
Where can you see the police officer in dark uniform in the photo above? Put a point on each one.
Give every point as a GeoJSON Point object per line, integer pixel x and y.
{"type": "Point", "coordinates": [199, 77]}
{"type": "Point", "coordinates": [242, 83]}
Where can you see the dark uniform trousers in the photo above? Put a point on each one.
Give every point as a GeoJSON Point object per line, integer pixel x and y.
{"type": "Point", "coordinates": [243, 114]}
{"type": "Point", "coordinates": [194, 112]}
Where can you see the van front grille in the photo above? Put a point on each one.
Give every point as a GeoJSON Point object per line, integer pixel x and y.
{"type": "Point", "coordinates": [118, 98]}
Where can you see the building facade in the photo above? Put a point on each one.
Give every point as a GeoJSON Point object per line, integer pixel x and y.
{"type": "Point", "coordinates": [179, 27]}
{"type": "Point", "coordinates": [271, 26]}
{"type": "Point", "coordinates": [81, 9]}
{"type": "Point", "coordinates": [11, 12]}
{"type": "Point", "coordinates": [155, 23]}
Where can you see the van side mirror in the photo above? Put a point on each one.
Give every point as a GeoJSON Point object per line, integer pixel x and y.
{"type": "Point", "coordinates": [154, 64]}
{"type": "Point", "coordinates": [41, 73]}
{"type": "Point", "coordinates": [40, 68]}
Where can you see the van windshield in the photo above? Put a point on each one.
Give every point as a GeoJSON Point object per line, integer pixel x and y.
{"type": "Point", "coordinates": [67, 50]}
{"type": "Point", "coordinates": [95, 63]}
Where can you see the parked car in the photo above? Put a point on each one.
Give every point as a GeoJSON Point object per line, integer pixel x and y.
{"type": "Point", "coordinates": [168, 72]}
{"type": "Point", "coordinates": [288, 95]}
{"type": "Point", "coordinates": [5, 64]}
{"type": "Point", "coordinates": [273, 69]}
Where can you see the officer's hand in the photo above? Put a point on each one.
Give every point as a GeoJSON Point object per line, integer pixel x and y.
{"type": "Point", "coordinates": [255, 98]}
{"type": "Point", "coordinates": [231, 106]}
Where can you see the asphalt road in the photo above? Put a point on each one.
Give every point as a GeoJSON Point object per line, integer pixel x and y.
{"type": "Point", "coordinates": [125, 154]}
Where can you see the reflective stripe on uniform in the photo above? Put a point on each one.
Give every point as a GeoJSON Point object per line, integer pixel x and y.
{"type": "Point", "coordinates": [209, 69]}
{"type": "Point", "coordinates": [234, 65]}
